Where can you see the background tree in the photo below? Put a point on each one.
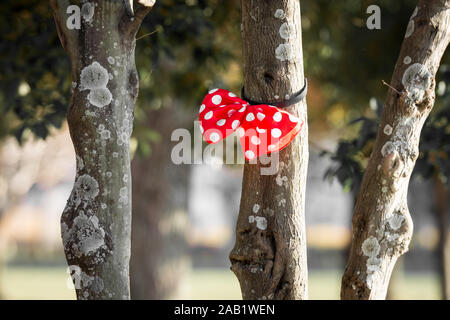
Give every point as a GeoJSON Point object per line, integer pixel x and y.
{"type": "Point", "coordinates": [190, 48]}
{"type": "Point", "coordinates": [270, 260]}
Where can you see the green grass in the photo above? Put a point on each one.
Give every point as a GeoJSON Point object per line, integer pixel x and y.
{"type": "Point", "coordinates": [51, 283]}
{"type": "Point", "coordinates": [35, 283]}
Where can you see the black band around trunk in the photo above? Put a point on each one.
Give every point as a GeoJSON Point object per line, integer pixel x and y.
{"type": "Point", "coordinates": [296, 98]}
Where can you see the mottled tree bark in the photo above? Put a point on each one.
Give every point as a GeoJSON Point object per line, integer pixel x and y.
{"type": "Point", "coordinates": [441, 207]}
{"type": "Point", "coordinates": [96, 223]}
{"type": "Point", "coordinates": [382, 226]}
{"type": "Point", "coordinates": [269, 256]}
{"type": "Point", "coordinates": [159, 259]}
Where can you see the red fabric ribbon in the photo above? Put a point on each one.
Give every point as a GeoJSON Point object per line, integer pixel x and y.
{"type": "Point", "coordinates": [262, 128]}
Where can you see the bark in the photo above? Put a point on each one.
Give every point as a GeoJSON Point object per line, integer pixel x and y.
{"type": "Point", "coordinates": [270, 262]}
{"type": "Point", "coordinates": [382, 226]}
{"type": "Point", "coordinates": [441, 194]}
{"type": "Point", "coordinates": [96, 222]}
{"type": "Point", "coordinates": [159, 259]}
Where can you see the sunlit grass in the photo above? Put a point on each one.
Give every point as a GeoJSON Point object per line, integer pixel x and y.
{"type": "Point", "coordinates": [35, 283]}
{"type": "Point", "coordinates": [51, 283]}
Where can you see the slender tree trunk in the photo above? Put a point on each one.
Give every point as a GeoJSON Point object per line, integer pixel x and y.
{"type": "Point", "coordinates": [159, 259]}
{"type": "Point", "coordinates": [443, 250]}
{"type": "Point", "coordinates": [382, 226]}
{"type": "Point", "coordinates": [270, 261]}
{"type": "Point", "coordinates": [96, 223]}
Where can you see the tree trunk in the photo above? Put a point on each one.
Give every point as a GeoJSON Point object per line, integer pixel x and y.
{"type": "Point", "coordinates": [443, 250]}
{"type": "Point", "coordinates": [96, 222]}
{"type": "Point", "coordinates": [270, 261]}
{"type": "Point", "coordinates": [159, 259]}
{"type": "Point", "coordinates": [382, 226]}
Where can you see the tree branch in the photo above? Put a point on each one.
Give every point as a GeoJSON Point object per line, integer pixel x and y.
{"type": "Point", "coordinates": [132, 24]}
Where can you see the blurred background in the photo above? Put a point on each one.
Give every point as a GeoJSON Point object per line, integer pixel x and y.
{"type": "Point", "coordinates": [184, 216]}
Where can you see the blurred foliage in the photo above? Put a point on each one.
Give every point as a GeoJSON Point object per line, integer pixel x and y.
{"type": "Point", "coordinates": [343, 56]}
{"type": "Point", "coordinates": [34, 83]}
{"type": "Point", "coordinates": [352, 155]}
{"type": "Point", "coordinates": [178, 55]}
{"type": "Point", "coordinates": [184, 48]}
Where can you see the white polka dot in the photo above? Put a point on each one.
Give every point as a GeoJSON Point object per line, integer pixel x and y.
{"type": "Point", "coordinates": [260, 130]}
{"type": "Point", "coordinates": [276, 133]}
{"type": "Point", "coordinates": [250, 117]}
{"type": "Point", "coordinates": [277, 117]}
{"type": "Point", "coordinates": [271, 147]}
{"type": "Point", "coordinates": [216, 99]}
{"type": "Point", "coordinates": [260, 116]}
{"type": "Point", "coordinates": [231, 112]}
{"type": "Point", "coordinates": [242, 109]}
{"type": "Point", "coordinates": [201, 129]}
{"type": "Point", "coordinates": [293, 119]}
{"type": "Point", "coordinates": [221, 122]}
{"type": "Point", "coordinates": [212, 91]}
{"type": "Point", "coordinates": [231, 94]}
{"type": "Point", "coordinates": [249, 154]}
{"type": "Point", "coordinates": [214, 137]}
{"type": "Point", "coordinates": [235, 124]}
{"type": "Point", "coordinates": [208, 115]}
{"type": "Point", "coordinates": [202, 107]}
{"type": "Point", "coordinates": [241, 132]}
{"type": "Point", "coordinates": [255, 140]}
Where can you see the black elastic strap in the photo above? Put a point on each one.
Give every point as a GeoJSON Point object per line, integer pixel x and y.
{"type": "Point", "coordinates": [296, 98]}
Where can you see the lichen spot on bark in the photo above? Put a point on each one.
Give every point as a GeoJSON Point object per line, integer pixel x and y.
{"type": "Point", "coordinates": [105, 134]}
{"type": "Point", "coordinates": [370, 247]}
{"type": "Point", "coordinates": [387, 149]}
{"type": "Point", "coordinates": [284, 52]}
{"type": "Point", "coordinates": [123, 196]}
{"type": "Point", "coordinates": [279, 14]}
{"type": "Point", "coordinates": [395, 221]}
{"type": "Point", "coordinates": [261, 223]}
{"type": "Point", "coordinates": [80, 163]}
{"type": "Point", "coordinates": [387, 130]}
{"type": "Point", "coordinates": [93, 76]}
{"type": "Point", "coordinates": [416, 80]}
{"type": "Point", "coordinates": [85, 236]}
{"type": "Point", "coordinates": [87, 11]}
{"type": "Point", "coordinates": [100, 97]}
{"type": "Point", "coordinates": [286, 31]}
{"type": "Point", "coordinates": [86, 187]}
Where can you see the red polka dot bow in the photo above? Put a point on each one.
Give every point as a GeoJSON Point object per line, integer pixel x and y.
{"type": "Point", "coordinates": [262, 128]}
